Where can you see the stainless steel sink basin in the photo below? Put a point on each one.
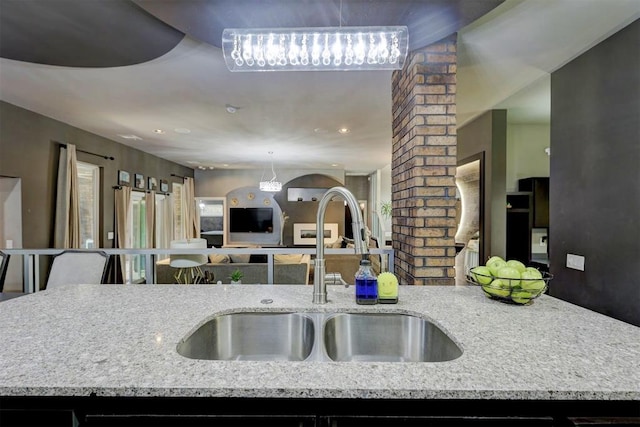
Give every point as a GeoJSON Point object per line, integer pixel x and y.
{"type": "Point", "coordinates": [339, 337]}
{"type": "Point", "coordinates": [251, 336]}
{"type": "Point", "coordinates": [386, 337]}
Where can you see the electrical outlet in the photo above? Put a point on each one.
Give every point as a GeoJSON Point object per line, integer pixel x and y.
{"type": "Point", "coordinates": [575, 261]}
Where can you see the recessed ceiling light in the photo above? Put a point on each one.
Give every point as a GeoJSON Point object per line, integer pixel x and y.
{"type": "Point", "coordinates": [320, 130]}
{"type": "Point", "coordinates": [231, 109]}
{"type": "Point", "coordinates": [344, 130]}
{"type": "Point", "coordinates": [334, 165]}
{"type": "Point", "coordinates": [182, 130]}
{"type": "Point", "coordinates": [158, 131]}
{"type": "Point", "coordinates": [225, 164]}
{"type": "Point", "coordinates": [134, 137]}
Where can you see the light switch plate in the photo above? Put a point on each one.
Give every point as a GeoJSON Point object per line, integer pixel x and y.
{"type": "Point", "coordinates": [110, 235]}
{"type": "Point", "coordinates": [575, 261]}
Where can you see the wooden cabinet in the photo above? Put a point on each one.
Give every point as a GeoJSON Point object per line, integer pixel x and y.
{"type": "Point", "coordinates": [519, 225]}
{"type": "Point", "coordinates": [103, 411]}
{"type": "Point", "coordinates": [539, 189]}
{"type": "Point", "coordinates": [527, 209]}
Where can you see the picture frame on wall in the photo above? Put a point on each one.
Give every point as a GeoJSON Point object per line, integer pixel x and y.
{"type": "Point", "coordinates": [305, 233]}
{"type": "Point", "coordinates": [139, 181]}
{"type": "Point", "coordinates": [164, 185]}
{"type": "Point", "coordinates": [124, 178]}
{"type": "Point", "coordinates": [152, 184]}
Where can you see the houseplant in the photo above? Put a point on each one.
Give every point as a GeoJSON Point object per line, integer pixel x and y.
{"type": "Point", "coordinates": [236, 277]}
{"type": "Point", "coordinates": [386, 209]}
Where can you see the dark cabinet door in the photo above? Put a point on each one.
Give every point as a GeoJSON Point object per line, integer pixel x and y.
{"type": "Point", "coordinates": [539, 188]}
{"type": "Point", "coordinates": [519, 222]}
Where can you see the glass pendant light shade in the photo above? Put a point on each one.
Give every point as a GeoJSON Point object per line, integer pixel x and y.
{"type": "Point", "coordinates": [315, 49]}
{"type": "Point", "coordinates": [272, 185]}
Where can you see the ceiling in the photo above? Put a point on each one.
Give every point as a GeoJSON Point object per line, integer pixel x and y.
{"type": "Point", "coordinates": [128, 68]}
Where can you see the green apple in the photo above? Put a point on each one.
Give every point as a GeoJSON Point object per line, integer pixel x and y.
{"type": "Point", "coordinates": [534, 271]}
{"type": "Point", "coordinates": [535, 286]}
{"type": "Point", "coordinates": [530, 275]}
{"type": "Point", "coordinates": [517, 265]}
{"type": "Point", "coordinates": [496, 265]}
{"type": "Point", "coordinates": [493, 258]}
{"type": "Point", "coordinates": [509, 275]}
{"type": "Point", "coordinates": [481, 275]}
{"type": "Point", "coordinates": [521, 297]}
{"type": "Point", "coordinates": [497, 288]}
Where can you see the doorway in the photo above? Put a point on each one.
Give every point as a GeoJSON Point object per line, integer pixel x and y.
{"type": "Point", "coordinates": [469, 213]}
{"type": "Point", "coordinates": [11, 229]}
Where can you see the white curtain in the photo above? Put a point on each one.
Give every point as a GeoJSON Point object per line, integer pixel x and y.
{"type": "Point", "coordinates": [164, 229]}
{"type": "Point", "coordinates": [150, 220]}
{"type": "Point", "coordinates": [191, 214]}
{"type": "Point", "coordinates": [67, 222]}
{"type": "Point", "coordinates": [123, 233]}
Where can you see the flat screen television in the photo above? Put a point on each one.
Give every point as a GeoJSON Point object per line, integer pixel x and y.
{"type": "Point", "coordinates": [251, 220]}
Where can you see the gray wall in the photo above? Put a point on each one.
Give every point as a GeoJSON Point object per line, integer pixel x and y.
{"type": "Point", "coordinates": [29, 149]}
{"type": "Point", "coordinates": [222, 183]}
{"type": "Point", "coordinates": [595, 172]}
{"type": "Point", "coordinates": [219, 182]}
{"type": "Point", "coordinates": [307, 211]}
{"type": "Point", "coordinates": [488, 134]}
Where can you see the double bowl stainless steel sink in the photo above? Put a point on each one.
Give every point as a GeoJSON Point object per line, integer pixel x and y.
{"type": "Point", "coordinates": [301, 336]}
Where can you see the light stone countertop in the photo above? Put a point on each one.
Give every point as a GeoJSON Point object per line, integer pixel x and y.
{"type": "Point", "coordinates": [120, 340]}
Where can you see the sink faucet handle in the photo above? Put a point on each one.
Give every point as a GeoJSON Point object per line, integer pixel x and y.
{"type": "Point", "coordinates": [335, 279]}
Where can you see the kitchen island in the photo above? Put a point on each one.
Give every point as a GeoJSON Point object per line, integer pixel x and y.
{"type": "Point", "coordinates": [104, 351]}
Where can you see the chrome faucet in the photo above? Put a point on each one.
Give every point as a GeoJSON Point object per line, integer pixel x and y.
{"type": "Point", "coordinates": [359, 238]}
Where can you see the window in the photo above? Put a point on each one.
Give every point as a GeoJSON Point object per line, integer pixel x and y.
{"type": "Point", "coordinates": [89, 203]}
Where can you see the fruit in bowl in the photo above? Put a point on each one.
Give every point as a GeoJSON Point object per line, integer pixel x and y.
{"type": "Point", "coordinates": [498, 288]}
{"type": "Point", "coordinates": [482, 275]}
{"type": "Point", "coordinates": [509, 281]}
{"type": "Point", "coordinates": [514, 263]}
{"type": "Point", "coordinates": [495, 264]}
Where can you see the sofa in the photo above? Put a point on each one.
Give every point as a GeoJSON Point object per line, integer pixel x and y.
{"type": "Point", "coordinates": [347, 264]}
{"type": "Point", "coordinates": [287, 269]}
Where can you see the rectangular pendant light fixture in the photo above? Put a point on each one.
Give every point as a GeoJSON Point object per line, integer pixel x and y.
{"type": "Point", "coordinates": [315, 49]}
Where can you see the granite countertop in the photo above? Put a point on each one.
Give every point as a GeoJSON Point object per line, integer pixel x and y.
{"type": "Point", "coordinates": [120, 340]}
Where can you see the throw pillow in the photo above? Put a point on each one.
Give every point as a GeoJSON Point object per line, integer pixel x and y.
{"type": "Point", "coordinates": [335, 245]}
{"type": "Point", "coordinates": [219, 259]}
{"type": "Point", "coordinates": [240, 258]}
{"type": "Point", "coordinates": [287, 258]}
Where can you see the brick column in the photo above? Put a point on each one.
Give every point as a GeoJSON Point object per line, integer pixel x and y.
{"type": "Point", "coordinates": [424, 165]}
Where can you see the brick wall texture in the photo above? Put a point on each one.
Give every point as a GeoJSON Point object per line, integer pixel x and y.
{"type": "Point", "coordinates": [424, 165]}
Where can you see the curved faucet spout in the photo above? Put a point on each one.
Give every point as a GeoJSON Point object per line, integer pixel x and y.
{"type": "Point", "coordinates": [359, 238]}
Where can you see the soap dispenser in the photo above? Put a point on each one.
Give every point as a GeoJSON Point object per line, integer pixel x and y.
{"type": "Point", "coordinates": [366, 284]}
